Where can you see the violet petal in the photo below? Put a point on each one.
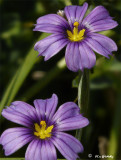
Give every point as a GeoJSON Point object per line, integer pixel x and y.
{"type": "Point", "coordinates": [99, 20]}
{"type": "Point", "coordinates": [88, 58]}
{"type": "Point", "coordinates": [46, 108]}
{"type": "Point", "coordinates": [52, 19]}
{"type": "Point", "coordinates": [75, 13]}
{"type": "Point", "coordinates": [33, 151]}
{"type": "Point", "coordinates": [76, 122]}
{"type": "Point", "coordinates": [54, 48]}
{"type": "Point", "coordinates": [74, 144]}
{"type": "Point", "coordinates": [49, 28]}
{"type": "Point", "coordinates": [26, 109]}
{"type": "Point", "coordinates": [65, 111]}
{"type": "Point", "coordinates": [64, 148]}
{"type": "Point", "coordinates": [51, 23]}
{"type": "Point", "coordinates": [16, 114]}
{"type": "Point", "coordinates": [97, 46]}
{"type": "Point", "coordinates": [14, 138]}
{"type": "Point", "coordinates": [48, 151]}
{"type": "Point", "coordinates": [70, 57]}
{"type": "Point", "coordinates": [106, 42]}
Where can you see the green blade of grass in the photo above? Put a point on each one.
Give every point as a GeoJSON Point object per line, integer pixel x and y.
{"type": "Point", "coordinates": [115, 135]}
{"type": "Point", "coordinates": [20, 76]}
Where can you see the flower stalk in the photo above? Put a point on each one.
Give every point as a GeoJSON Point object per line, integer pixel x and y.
{"type": "Point", "coordinates": [83, 91]}
{"type": "Point", "coordinates": [83, 96]}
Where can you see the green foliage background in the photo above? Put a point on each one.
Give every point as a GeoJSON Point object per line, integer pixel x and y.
{"type": "Point", "coordinates": [24, 76]}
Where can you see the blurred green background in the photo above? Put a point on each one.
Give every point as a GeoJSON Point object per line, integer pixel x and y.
{"type": "Point", "coordinates": [24, 76]}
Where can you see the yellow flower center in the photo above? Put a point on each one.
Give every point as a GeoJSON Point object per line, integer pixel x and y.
{"type": "Point", "coordinates": [76, 35]}
{"type": "Point", "coordinates": [43, 132]}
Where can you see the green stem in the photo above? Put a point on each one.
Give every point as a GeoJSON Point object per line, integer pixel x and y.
{"type": "Point", "coordinates": [83, 96]}
{"type": "Point", "coordinates": [115, 135]}
{"type": "Point", "coordinates": [79, 89]}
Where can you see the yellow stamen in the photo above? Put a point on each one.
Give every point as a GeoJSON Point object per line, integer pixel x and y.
{"type": "Point", "coordinates": [76, 24]}
{"type": "Point", "coordinates": [43, 132]}
{"type": "Point", "coordinates": [76, 35]}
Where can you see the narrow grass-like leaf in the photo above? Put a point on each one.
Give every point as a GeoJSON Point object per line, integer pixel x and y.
{"type": "Point", "coordinates": [115, 135]}
{"type": "Point", "coordinates": [7, 92]}
{"type": "Point", "coordinates": [20, 76]}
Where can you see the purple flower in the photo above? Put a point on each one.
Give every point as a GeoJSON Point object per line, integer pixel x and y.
{"type": "Point", "coordinates": [78, 33]}
{"type": "Point", "coordinates": [43, 128]}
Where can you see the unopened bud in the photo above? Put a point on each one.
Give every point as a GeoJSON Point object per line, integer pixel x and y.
{"type": "Point", "coordinates": [61, 13]}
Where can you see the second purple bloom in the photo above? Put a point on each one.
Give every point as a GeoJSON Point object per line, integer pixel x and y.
{"type": "Point", "coordinates": [44, 128]}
